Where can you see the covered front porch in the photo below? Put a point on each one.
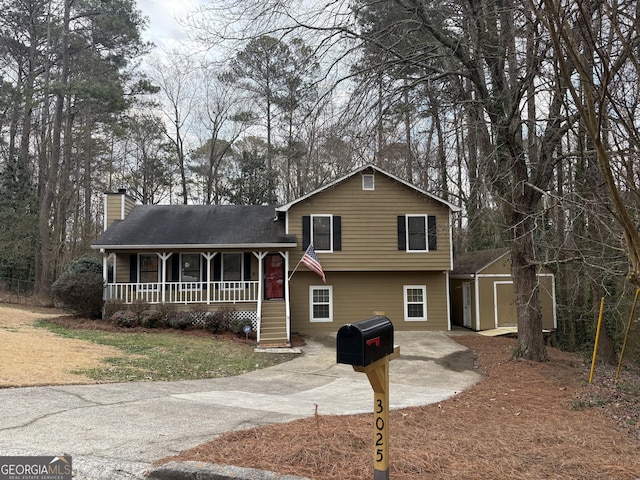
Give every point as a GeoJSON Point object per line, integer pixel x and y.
{"type": "Point", "coordinates": [247, 281]}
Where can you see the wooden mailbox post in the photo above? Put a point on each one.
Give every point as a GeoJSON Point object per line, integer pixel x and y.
{"type": "Point", "coordinates": [368, 347]}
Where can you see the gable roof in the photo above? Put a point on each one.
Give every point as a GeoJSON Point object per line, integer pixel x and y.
{"type": "Point", "coordinates": [192, 226]}
{"type": "Point", "coordinates": [474, 262]}
{"type": "Point", "coordinates": [287, 206]}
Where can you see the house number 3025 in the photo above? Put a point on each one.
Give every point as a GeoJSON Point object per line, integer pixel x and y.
{"type": "Point", "coordinates": [379, 431]}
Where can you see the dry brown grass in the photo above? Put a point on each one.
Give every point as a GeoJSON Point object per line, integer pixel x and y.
{"type": "Point", "coordinates": [524, 421]}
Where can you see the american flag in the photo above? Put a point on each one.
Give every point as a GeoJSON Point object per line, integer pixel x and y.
{"type": "Point", "coordinates": [310, 259]}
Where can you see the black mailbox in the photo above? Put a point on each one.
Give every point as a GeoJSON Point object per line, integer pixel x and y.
{"type": "Point", "coordinates": [362, 343]}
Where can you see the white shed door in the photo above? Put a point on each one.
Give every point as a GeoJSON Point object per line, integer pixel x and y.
{"type": "Point", "coordinates": [466, 304]}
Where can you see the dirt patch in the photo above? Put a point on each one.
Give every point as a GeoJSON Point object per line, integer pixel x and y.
{"type": "Point", "coordinates": [524, 421]}
{"type": "Point", "coordinates": [34, 356]}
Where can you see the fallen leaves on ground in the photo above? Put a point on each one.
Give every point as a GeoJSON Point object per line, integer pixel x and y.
{"type": "Point", "coordinates": [526, 420]}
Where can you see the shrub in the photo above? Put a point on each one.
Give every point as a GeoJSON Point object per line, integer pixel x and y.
{"type": "Point", "coordinates": [214, 322]}
{"type": "Point", "coordinates": [152, 319]}
{"type": "Point", "coordinates": [80, 288]}
{"type": "Point", "coordinates": [86, 264]}
{"type": "Point", "coordinates": [125, 319]}
{"type": "Point", "coordinates": [236, 325]}
{"type": "Point", "coordinates": [168, 311]}
{"type": "Point", "coordinates": [113, 306]}
{"type": "Point", "coordinates": [181, 320]}
{"type": "Point", "coordinates": [138, 308]}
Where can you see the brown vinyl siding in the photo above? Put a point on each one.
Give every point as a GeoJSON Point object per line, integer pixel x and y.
{"type": "Point", "coordinates": [113, 209]}
{"type": "Point", "coordinates": [356, 296]}
{"type": "Point", "coordinates": [370, 226]}
{"type": "Point", "coordinates": [500, 266]}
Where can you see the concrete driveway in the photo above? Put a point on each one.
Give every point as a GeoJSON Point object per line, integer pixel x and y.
{"type": "Point", "coordinates": [114, 431]}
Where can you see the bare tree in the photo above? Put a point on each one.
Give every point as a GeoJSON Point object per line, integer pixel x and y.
{"type": "Point", "coordinates": [598, 43]}
{"type": "Point", "coordinates": [175, 75]}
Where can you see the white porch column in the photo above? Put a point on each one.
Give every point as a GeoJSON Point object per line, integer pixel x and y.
{"type": "Point", "coordinates": [260, 256]}
{"type": "Point", "coordinates": [209, 256]}
{"type": "Point", "coordinates": [286, 294]}
{"type": "Point", "coordinates": [164, 257]}
{"type": "Point", "coordinates": [105, 273]}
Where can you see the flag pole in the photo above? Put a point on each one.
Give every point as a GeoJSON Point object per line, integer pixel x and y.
{"type": "Point", "coordinates": [299, 262]}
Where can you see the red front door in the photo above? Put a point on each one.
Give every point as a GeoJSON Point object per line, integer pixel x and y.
{"type": "Point", "coordinates": [274, 276]}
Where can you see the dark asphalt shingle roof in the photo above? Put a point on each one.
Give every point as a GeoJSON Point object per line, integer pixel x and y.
{"type": "Point", "coordinates": [191, 225]}
{"type": "Point", "coordinates": [474, 262]}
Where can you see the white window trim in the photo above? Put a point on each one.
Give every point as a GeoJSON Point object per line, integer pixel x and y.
{"type": "Point", "coordinates": [320, 287]}
{"type": "Point", "coordinates": [330, 233]}
{"type": "Point", "coordinates": [426, 232]}
{"type": "Point", "coordinates": [364, 183]}
{"type": "Point", "coordinates": [406, 303]}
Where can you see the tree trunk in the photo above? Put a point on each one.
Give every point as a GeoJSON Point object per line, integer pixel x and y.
{"type": "Point", "coordinates": [526, 291]}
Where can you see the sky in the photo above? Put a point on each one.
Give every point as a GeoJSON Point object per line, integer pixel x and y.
{"type": "Point", "coordinates": [164, 28]}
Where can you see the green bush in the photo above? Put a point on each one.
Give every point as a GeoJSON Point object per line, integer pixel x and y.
{"type": "Point", "coordinates": [80, 288]}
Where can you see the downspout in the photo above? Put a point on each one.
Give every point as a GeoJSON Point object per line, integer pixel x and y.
{"type": "Point", "coordinates": [448, 301]}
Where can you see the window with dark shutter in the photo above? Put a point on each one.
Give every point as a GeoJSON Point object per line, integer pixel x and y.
{"type": "Point", "coordinates": [417, 233]}
{"type": "Point", "coordinates": [432, 233]}
{"type": "Point", "coordinates": [324, 231]}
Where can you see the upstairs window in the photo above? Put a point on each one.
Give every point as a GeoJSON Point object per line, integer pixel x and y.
{"type": "Point", "coordinates": [417, 233]}
{"type": "Point", "coordinates": [323, 231]}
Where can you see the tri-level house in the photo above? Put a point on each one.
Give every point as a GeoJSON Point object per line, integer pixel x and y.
{"type": "Point", "coordinates": [384, 246]}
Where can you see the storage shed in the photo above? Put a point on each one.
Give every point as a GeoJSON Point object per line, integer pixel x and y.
{"type": "Point", "coordinates": [481, 292]}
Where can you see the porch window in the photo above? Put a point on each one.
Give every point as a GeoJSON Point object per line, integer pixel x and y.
{"type": "Point", "coordinates": [321, 304]}
{"type": "Point", "coordinates": [232, 267]}
{"type": "Point", "coordinates": [321, 233]}
{"type": "Point", "coordinates": [190, 270]}
{"type": "Point", "coordinates": [415, 303]}
{"type": "Point", "coordinates": [149, 272]}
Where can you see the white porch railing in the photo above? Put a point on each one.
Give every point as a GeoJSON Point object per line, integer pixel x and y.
{"type": "Point", "coordinates": [184, 292]}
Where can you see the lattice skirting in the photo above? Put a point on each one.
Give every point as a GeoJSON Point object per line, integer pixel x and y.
{"type": "Point", "coordinates": [247, 316]}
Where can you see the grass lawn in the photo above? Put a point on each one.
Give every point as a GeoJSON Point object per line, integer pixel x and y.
{"type": "Point", "coordinates": [149, 356]}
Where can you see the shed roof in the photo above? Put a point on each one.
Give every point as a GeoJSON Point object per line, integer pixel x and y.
{"type": "Point", "coordinates": [474, 262]}
{"type": "Point", "coordinates": [192, 226]}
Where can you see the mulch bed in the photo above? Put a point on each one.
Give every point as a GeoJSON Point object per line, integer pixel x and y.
{"type": "Point", "coordinates": [526, 420]}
